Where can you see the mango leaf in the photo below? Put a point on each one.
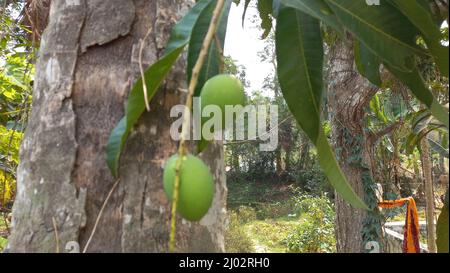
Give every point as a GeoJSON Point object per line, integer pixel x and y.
{"type": "Point", "coordinates": [265, 11]}
{"type": "Point", "coordinates": [444, 141]}
{"type": "Point", "coordinates": [154, 76]}
{"type": "Point", "coordinates": [422, 124]}
{"type": "Point", "coordinates": [442, 228]}
{"type": "Point", "coordinates": [413, 80]}
{"type": "Point", "coordinates": [411, 143]}
{"type": "Point", "coordinates": [422, 18]}
{"type": "Point", "coordinates": [381, 28]}
{"type": "Point", "coordinates": [438, 148]}
{"type": "Point", "coordinates": [246, 4]}
{"type": "Point", "coordinates": [202, 145]}
{"type": "Point", "coordinates": [299, 51]}
{"type": "Point", "coordinates": [419, 116]}
{"type": "Point", "coordinates": [440, 54]}
{"type": "Point", "coordinates": [367, 63]}
{"type": "Point", "coordinates": [212, 64]}
{"type": "Point", "coordinates": [377, 109]}
{"type": "Point", "coordinates": [389, 144]}
{"type": "Point", "coordinates": [275, 7]}
{"type": "Point", "coordinates": [317, 9]}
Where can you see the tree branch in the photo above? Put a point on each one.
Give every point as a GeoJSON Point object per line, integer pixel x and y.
{"type": "Point", "coordinates": [374, 137]}
{"type": "Point", "coordinates": [440, 7]}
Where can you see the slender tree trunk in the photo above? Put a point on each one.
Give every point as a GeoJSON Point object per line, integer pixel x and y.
{"type": "Point", "coordinates": [235, 162]}
{"type": "Point", "coordinates": [304, 154]}
{"type": "Point", "coordinates": [279, 162]}
{"type": "Point", "coordinates": [349, 93]}
{"type": "Point", "coordinates": [442, 158]}
{"type": "Point", "coordinates": [429, 194]}
{"type": "Point", "coordinates": [288, 160]}
{"type": "Point", "coordinates": [88, 64]}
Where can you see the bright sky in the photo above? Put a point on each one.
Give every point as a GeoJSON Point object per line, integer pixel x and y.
{"type": "Point", "coordinates": [243, 45]}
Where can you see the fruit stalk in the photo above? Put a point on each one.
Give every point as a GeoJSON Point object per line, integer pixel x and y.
{"type": "Point", "coordinates": [192, 85]}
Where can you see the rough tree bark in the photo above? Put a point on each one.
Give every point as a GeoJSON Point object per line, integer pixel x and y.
{"type": "Point", "coordinates": [88, 62]}
{"type": "Point", "coordinates": [349, 94]}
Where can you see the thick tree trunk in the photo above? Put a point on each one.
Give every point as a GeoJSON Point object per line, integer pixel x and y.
{"type": "Point", "coordinates": [349, 93]}
{"type": "Point", "coordinates": [429, 194]}
{"type": "Point", "coordinates": [88, 63]}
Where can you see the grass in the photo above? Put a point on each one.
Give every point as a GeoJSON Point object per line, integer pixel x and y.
{"type": "Point", "coordinates": [259, 216]}
{"type": "Point", "coordinates": [3, 243]}
{"type": "Point", "coordinates": [262, 217]}
{"type": "Point", "coordinates": [268, 235]}
{"type": "Point", "coordinates": [249, 234]}
{"type": "Point", "coordinates": [3, 240]}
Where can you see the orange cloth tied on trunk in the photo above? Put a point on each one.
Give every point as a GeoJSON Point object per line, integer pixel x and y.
{"type": "Point", "coordinates": [411, 230]}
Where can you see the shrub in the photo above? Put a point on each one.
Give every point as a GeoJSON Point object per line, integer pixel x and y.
{"type": "Point", "coordinates": [3, 243]}
{"type": "Point", "coordinates": [315, 233]}
{"type": "Point", "coordinates": [274, 210]}
{"type": "Point", "coordinates": [246, 214]}
{"type": "Point", "coordinates": [236, 239]}
{"type": "Point", "coordinates": [314, 181]}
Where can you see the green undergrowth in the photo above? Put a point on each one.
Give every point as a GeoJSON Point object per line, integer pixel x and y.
{"type": "Point", "coordinates": [278, 219]}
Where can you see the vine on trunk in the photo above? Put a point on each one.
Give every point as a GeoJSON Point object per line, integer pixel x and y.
{"type": "Point", "coordinates": [372, 223]}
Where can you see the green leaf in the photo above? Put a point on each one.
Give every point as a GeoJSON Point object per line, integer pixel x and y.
{"type": "Point", "coordinates": [442, 228]}
{"type": "Point", "coordinates": [201, 145]}
{"type": "Point", "coordinates": [422, 18]}
{"type": "Point", "coordinates": [438, 148]}
{"type": "Point", "coordinates": [411, 143]}
{"type": "Point", "coordinates": [265, 10]}
{"type": "Point", "coordinates": [440, 54]}
{"type": "Point", "coordinates": [247, 2]}
{"type": "Point", "coordinates": [377, 109]}
{"type": "Point", "coordinates": [154, 76]}
{"type": "Point", "coordinates": [421, 121]}
{"type": "Point", "coordinates": [212, 64]}
{"type": "Point", "coordinates": [300, 63]}
{"type": "Point", "coordinates": [381, 28]}
{"type": "Point", "coordinates": [421, 125]}
{"type": "Point", "coordinates": [367, 63]}
{"type": "Point", "coordinates": [388, 144]}
{"type": "Point", "coordinates": [413, 80]}
{"type": "Point", "coordinates": [317, 9]}
{"type": "Point", "coordinates": [275, 7]}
